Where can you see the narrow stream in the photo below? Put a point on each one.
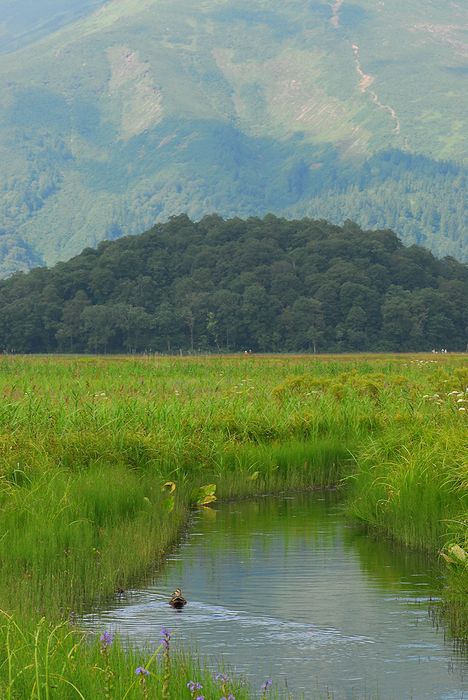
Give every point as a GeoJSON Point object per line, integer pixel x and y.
{"type": "Point", "coordinates": [285, 587]}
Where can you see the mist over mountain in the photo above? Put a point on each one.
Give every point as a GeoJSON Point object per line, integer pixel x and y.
{"type": "Point", "coordinates": [116, 115]}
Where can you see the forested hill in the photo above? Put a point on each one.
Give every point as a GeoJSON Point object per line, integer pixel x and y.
{"type": "Point", "coordinates": [260, 284]}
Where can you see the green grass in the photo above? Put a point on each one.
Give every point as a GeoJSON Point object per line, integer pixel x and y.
{"type": "Point", "coordinates": [411, 484]}
{"type": "Point", "coordinates": [87, 444]}
{"type": "Point", "coordinates": [65, 664]}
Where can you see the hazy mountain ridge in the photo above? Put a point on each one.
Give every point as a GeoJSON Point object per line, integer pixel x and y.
{"type": "Point", "coordinates": [25, 21]}
{"type": "Point", "coordinates": [143, 109]}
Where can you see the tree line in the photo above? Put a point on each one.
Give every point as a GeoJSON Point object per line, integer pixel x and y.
{"type": "Point", "coordinates": [266, 285]}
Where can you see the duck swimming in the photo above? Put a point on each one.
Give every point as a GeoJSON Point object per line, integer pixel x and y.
{"type": "Point", "coordinates": [177, 599]}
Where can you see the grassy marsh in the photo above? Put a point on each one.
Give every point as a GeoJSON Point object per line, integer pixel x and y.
{"type": "Point", "coordinates": [87, 443]}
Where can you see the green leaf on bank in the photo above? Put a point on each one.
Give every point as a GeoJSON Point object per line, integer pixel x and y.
{"type": "Point", "coordinates": [204, 495]}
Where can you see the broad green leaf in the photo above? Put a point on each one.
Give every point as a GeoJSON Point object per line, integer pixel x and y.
{"type": "Point", "coordinates": [204, 495]}
{"type": "Point", "coordinates": [206, 500]}
{"type": "Point", "coordinates": [458, 552]}
{"type": "Point", "coordinates": [208, 489]}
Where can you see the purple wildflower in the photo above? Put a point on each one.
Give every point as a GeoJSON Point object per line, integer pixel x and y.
{"type": "Point", "coordinates": [165, 637]}
{"type": "Point", "coordinates": [142, 671]}
{"type": "Point", "coordinates": [221, 678]}
{"type": "Point", "coordinates": [266, 685]}
{"type": "Point", "coordinates": [192, 686]}
{"type": "Point", "coordinates": [106, 639]}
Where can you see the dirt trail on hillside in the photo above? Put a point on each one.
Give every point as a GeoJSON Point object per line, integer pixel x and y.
{"type": "Point", "coordinates": [336, 7]}
{"type": "Point", "coordinates": [365, 83]}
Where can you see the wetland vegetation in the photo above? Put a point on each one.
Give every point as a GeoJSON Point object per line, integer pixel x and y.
{"type": "Point", "coordinates": [102, 459]}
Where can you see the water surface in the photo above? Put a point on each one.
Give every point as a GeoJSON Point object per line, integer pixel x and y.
{"type": "Point", "coordinates": [285, 587]}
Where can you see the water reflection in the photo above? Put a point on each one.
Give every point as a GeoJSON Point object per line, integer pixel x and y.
{"type": "Point", "coordinates": [285, 587]}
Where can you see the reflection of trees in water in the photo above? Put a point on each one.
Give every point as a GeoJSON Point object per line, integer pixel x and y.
{"type": "Point", "coordinates": [390, 564]}
{"type": "Point", "coordinates": [255, 534]}
{"type": "Point", "coordinates": [283, 519]}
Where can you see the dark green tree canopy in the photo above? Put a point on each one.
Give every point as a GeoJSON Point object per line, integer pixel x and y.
{"type": "Point", "coordinates": [265, 285]}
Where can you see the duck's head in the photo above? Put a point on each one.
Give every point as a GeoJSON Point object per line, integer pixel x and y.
{"type": "Point", "coordinates": [177, 593]}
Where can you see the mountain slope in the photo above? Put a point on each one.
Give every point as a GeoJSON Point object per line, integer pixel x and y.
{"type": "Point", "coordinates": [145, 108]}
